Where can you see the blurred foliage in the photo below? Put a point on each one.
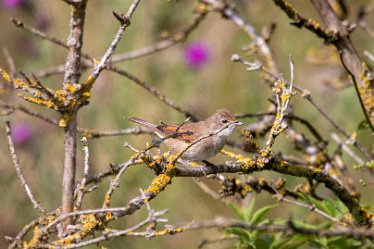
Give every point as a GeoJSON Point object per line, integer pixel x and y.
{"type": "Point", "coordinates": [218, 83]}
{"type": "Point", "coordinates": [277, 240]}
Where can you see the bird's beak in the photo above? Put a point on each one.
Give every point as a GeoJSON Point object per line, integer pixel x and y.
{"type": "Point", "coordinates": [238, 123]}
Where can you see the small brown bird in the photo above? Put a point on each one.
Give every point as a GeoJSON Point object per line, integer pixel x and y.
{"type": "Point", "coordinates": [207, 137]}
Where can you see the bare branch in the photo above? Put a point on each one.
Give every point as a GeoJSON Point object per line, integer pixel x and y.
{"type": "Point", "coordinates": [161, 45]}
{"type": "Point", "coordinates": [71, 77]}
{"type": "Point", "coordinates": [307, 95]}
{"type": "Point", "coordinates": [281, 197]}
{"type": "Point", "coordinates": [25, 186]}
{"type": "Point", "coordinates": [260, 42]}
{"type": "Point", "coordinates": [82, 185]}
{"type": "Point", "coordinates": [125, 22]}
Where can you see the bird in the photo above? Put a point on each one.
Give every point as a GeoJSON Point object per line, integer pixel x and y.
{"type": "Point", "coordinates": [195, 141]}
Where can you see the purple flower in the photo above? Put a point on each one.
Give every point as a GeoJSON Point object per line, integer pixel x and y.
{"type": "Point", "coordinates": [11, 4]}
{"type": "Point", "coordinates": [21, 133]}
{"type": "Point", "coordinates": [196, 54]}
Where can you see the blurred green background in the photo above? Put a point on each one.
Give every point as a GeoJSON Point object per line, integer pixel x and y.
{"type": "Point", "coordinates": [215, 84]}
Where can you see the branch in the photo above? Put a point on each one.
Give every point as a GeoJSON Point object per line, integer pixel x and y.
{"type": "Point", "coordinates": [246, 166]}
{"type": "Point", "coordinates": [289, 227]}
{"type": "Point", "coordinates": [90, 60]}
{"type": "Point", "coordinates": [310, 24]}
{"type": "Point", "coordinates": [153, 91]}
{"type": "Point", "coordinates": [281, 197]}
{"type": "Point", "coordinates": [84, 131]}
{"type": "Point", "coordinates": [260, 42]}
{"type": "Point", "coordinates": [161, 45]}
{"type": "Point", "coordinates": [25, 186]}
{"type": "Point", "coordinates": [125, 22]}
{"type": "Point", "coordinates": [338, 34]}
{"type": "Point", "coordinates": [72, 76]}
{"type": "Point", "coordinates": [82, 185]}
{"type": "Point", "coordinates": [306, 95]}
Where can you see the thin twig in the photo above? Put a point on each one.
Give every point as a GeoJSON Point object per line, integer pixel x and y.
{"type": "Point", "coordinates": [281, 197]}
{"type": "Point", "coordinates": [35, 31]}
{"type": "Point", "coordinates": [283, 96]}
{"type": "Point", "coordinates": [337, 139]}
{"type": "Point", "coordinates": [84, 131]}
{"type": "Point", "coordinates": [206, 189]}
{"type": "Point", "coordinates": [25, 186]}
{"type": "Point", "coordinates": [361, 15]}
{"type": "Point", "coordinates": [153, 91]}
{"type": "Point", "coordinates": [289, 227]}
{"type": "Point", "coordinates": [114, 183]}
{"type": "Point", "coordinates": [23, 233]}
{"type": "Point", "coordinates": [260, 42]}
{"type": "Point", "coordinates": [307, 95]}
{"type": "Point", "coordinates": [206, 242]}
{"type": "Point", "coordinates": [198, 140]}
{"type": "Point", "coordinates": [114, 169]}
{"type": "Point", "coordinates": [90, 60]}
{"type": "Point", "coordinates": [161, 45]}
{"type": "Point", "coordinates": [125, 22]}
{"type": "Point", "coordinates": [113, 233]}
{"type": "Point", "coordinates": [10, 61]}
{"type": "Point", "coordinates": [369, 55]}
{"type": "Point", "coordinates": [82, 185]}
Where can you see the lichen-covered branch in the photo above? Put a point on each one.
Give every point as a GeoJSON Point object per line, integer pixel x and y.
{"type": "Point", "coordinates": [71, 78]}
{"type": "Point", "coordinates": [338, 33]}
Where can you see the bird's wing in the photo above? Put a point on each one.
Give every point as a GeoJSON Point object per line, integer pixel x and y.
{"type": "Point", "coordinates": [184, 133]}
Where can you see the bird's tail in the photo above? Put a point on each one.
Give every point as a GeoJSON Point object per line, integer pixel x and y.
{"type": "Point", "coordinates": [143, 122]}
{"type": "Point", "coordinates": [149, 125]}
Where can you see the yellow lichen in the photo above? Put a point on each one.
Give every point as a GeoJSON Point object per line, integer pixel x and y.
{"type": "Point", "coordinates": [202, 8]}
{"type": "Point", "coordinates": [43, 102]}
{"type": "Point", "coordinates": [246, 162]}
{"type": "Point", "coordinates": [86, 95]}
{"type": "Point", "coordinates": [158, 184]}
{"type": "Point", "coordinates": [34, 239]}
{"type": "Point", "coordinates": [18, 83]}
{"type": "Point", "coordinates": [5, 75]}
{"type": "Point", "coordinates": [70, 88]}
{"type": "Point", "coordinates": [108, 216]}
{"type": "Point", "coordinates": [89, 222]}
{"type": "Point", "coordinates": [90, 80]}
{"type": "Point", "coordinates": [107, 201]}
{"type": "Point", "coordinates": [62, 123]}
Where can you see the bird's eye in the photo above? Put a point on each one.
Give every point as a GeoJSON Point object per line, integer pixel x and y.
{"type": "Point", "coordinates": [224, 121]}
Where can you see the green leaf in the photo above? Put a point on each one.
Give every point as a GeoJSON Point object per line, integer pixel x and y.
{"type": "Point", "coordinates": [291, 243]}
{"type": "Point", "coordinates": [332, 207]}
{"type": "Point", "coordinates": [242, 233]}
{"type": "Point", "coordinates": [325, 225]}
{"type": "Point", "coordinates": [335, 207]}
{"type": "Point", "coordinates": [305, 225]}
{"type": "Point", "coordinates": [363, 125]}
{"type": "Point", "coordinates": [341, 242]}
{"type": "Point", "coordinates": [237, 210]}
{"type": "Point", "coordinates": [259, 214]}
{"type": "Point", "coordinates": [248, 212]}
